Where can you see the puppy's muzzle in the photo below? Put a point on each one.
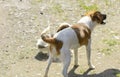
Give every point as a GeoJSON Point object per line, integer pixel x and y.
{"type": "Point", "coordinates": [104, 17]}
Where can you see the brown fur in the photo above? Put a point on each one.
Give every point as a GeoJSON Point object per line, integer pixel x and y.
{"type": "Point", "coordinates": [97, 17]}
{"type": "Point", "coordinates": [62, 27]}
{"type": "Point", "coordinates": [83, 33]}
{"type": "Point", "coordinates": [89, 13]}
{"type": "Point", "coordinates": [53, 43]}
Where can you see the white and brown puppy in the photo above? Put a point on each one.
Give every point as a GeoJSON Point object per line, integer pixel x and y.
{"type": "Point", "coordinates": [73, 37]}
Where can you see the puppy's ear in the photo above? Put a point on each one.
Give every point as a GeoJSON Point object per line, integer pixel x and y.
{"type": "Point", "coordinates": [97, 17]}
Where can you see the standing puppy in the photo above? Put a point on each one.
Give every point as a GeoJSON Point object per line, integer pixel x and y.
{"type": "Point", "coordinates": [73, 37]}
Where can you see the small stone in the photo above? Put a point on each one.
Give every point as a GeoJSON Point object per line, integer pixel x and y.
{"type": "Point", "coordinates": [41, 13]}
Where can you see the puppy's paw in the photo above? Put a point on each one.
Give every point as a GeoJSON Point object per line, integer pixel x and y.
{"type": "Point", "coordinates": [92, 67]}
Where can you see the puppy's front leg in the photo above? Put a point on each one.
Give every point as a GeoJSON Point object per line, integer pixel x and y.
{"type": "Point", "coordinates": [88, 49]}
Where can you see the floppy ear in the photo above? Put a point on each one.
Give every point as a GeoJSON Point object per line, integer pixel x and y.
{"type": "Point", "coordinates": [96, 17]}
{"type": "Point", "coordinates": [91, 14]}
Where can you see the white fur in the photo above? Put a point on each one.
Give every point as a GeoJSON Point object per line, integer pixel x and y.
{"type": "Point", "coordinates": [70, 40]}
{"type": "Point", "coordinates": [87, 20]}
{"type": "Point", "coordinates": [40, 42]}
{"type": "Point", "coordinates": [65, 23]}
{"type": "Point", "coordinates": [63, 36]}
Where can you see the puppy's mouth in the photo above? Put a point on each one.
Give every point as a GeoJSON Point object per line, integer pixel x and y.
{"type": "Point", "coordinates": [104, 19]}
{"type": "Point", "coordinates": [103, 22]}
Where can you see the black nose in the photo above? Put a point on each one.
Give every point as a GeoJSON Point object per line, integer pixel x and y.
{"type": "Point", "coordinates": [104, 16]}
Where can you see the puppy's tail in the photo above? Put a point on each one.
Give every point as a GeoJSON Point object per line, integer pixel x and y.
{"type": "Point", "coordinates": [46, 38]}
{"type": "Point", "coordinates": [52, 41]}
{"type": "Point", "coordinates": [46, 30]}
{"type": "Point", "coordinates": [63, 26]}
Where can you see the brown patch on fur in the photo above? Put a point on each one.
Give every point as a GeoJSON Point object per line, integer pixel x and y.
{"type": "Point", "coordinates": [62, 27]}
{"type": "Point", "coordinates": [83, 33]}
{"type": "Point", "coordinates": [53, 43]}
{"type": "Point", "coordinates": [97, 16]}
{"type": "Point", "coordinates": [51, 47]}
{"type": "Point", "coordinates": [58, 46]}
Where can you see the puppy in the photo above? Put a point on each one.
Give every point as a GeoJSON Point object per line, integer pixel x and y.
{"type": "Point", "coordinates": [75, 36]}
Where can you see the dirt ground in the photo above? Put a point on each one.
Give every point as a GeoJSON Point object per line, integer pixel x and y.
{"type": "Point", "coordinates": [21, 22]}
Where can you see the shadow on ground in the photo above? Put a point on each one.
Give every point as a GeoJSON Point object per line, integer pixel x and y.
{"type": "Point", "coordinates": [42, 56]}
{"type": "Point", "coordinates": [106, 73]}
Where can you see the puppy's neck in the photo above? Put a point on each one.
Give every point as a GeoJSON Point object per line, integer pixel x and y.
{"type": "Point", "coordinates": [88, 22]}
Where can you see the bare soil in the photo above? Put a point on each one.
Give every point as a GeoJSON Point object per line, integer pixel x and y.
{"type": "Point", "coordinates": [21, 22]}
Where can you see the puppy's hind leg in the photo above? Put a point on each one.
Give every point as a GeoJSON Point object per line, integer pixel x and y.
{"type": "Point", "coordinates": [48, 66]}
{"type": "Point", "coordinates": [66, 61]}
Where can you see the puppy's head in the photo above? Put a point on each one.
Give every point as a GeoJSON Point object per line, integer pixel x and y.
{"type": "Point", "coordinates": [97, 16]}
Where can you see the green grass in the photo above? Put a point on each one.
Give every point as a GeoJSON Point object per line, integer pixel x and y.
{"type": "Point", "coordinates": [87, 7]}
{"type": "Point", "coordinates": [107, 2]}
{"type": "Point", "coordinates": [118, 75]}
{"type": "Point", "coordinates": [81, 71]}
{"type": "Point", "coordinates": [106, 51]}
{"type": "Point", "coordinates": [34, 2]}
{"type": "Point", "coordinates": [57, 8]}
{"type": "Point", "coordinates": [38, 1]}
{"type": "Point", "coordinates": [111, 42]}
